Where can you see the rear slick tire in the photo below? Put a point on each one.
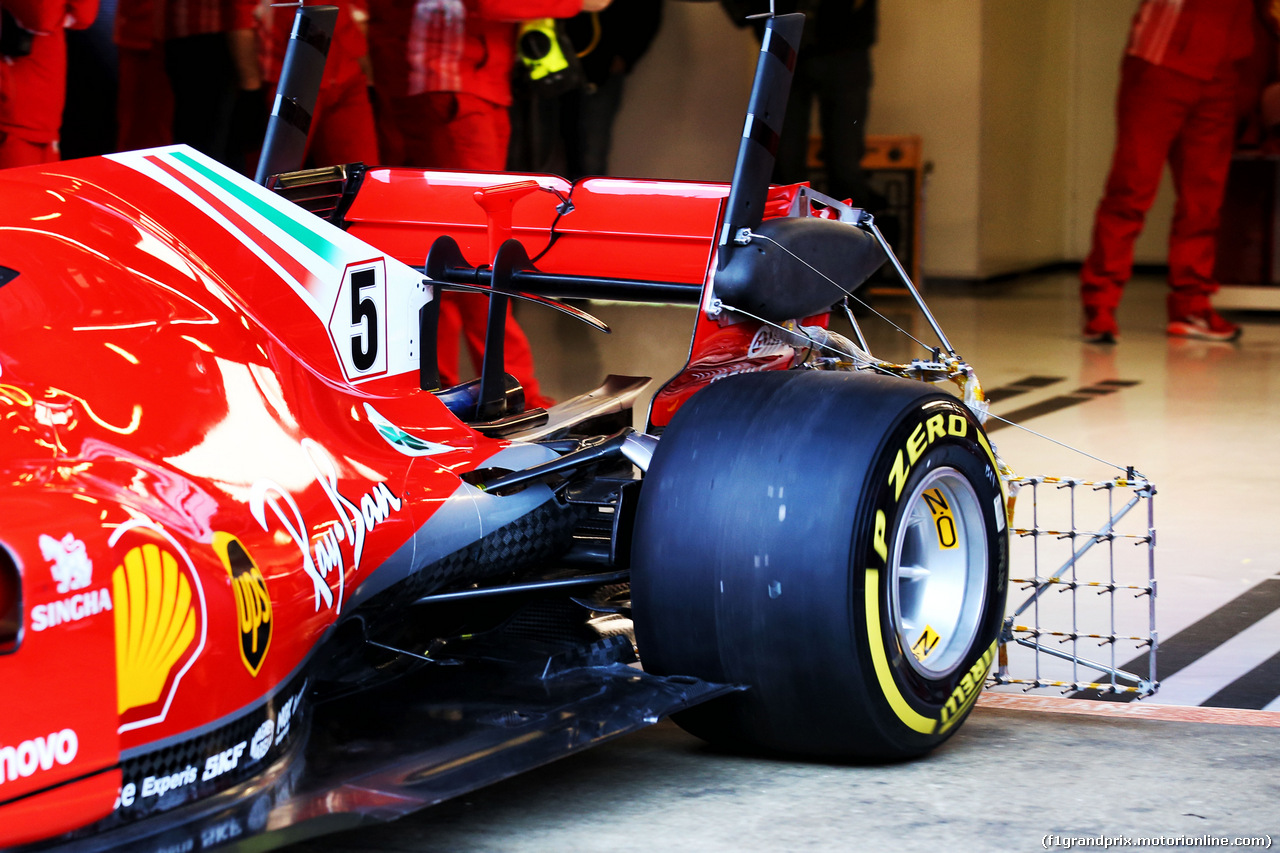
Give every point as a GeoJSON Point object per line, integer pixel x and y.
{"type": "Point", "coordinates": [836, 542]}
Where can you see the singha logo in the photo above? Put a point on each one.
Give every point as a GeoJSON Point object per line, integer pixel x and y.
{"type": "Point", "coordinates": [71, 567]}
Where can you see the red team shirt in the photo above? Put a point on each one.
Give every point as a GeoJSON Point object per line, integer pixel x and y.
{"type": "Point", "coordinates": [33, 87]}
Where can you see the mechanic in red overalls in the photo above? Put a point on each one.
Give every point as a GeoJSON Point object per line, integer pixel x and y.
{"type": "Point", "coordinates": [33, 75]}
{"type": "Point", "coordinates": [1177, 102]}
{"type": "Point", "coordinates": [342, 129]}
{"type": "Point", "coordinates": [144, 101]}
{"type": "Point", "coordinates": [203, 52]}
{"type": "Point", "coordinates": [442, 69]}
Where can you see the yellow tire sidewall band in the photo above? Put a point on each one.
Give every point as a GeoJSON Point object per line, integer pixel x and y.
{"type": "Point", "coordinates": [962, 697]}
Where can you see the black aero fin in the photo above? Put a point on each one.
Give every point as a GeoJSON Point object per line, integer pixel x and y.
{"type": "Point", "coordinates": [760, 134]}
{"type": "Point", "coordinates": [286, 139]}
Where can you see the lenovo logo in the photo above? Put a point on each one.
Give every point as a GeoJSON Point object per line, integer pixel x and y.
{"type": "Point", "coordinates": [39, 753]}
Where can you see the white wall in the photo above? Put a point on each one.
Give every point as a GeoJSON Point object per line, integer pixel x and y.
{"type": "Point", "coordinates": [1100, 29]}
{"type": "Point", "coordinates": [934, 47]}
{"type": "Point", "coordinates": [1014, 100]}
{"type": "Point", "coordinates": [686, 100]}
{"type": "Point", "coordinates": [1023, 126]}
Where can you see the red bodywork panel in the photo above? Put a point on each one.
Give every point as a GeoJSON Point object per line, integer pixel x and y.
{"type": "Point", "coordinates": [165, 394]}
{"type": "Point", "coordinates": [648, 230]}
{"type": "Point", "coordinates": [197, 381]}
{"type": "Point", "coordinates": [632, 229]}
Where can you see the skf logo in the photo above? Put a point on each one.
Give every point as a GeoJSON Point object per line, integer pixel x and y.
{"type": "Point", "coordinates": [253, 603]}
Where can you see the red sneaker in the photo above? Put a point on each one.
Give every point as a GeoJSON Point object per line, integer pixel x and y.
{"type": "Point", "coordinates": [1203, 325]}
{"type": "Point", "coordinates": [1100, 325]}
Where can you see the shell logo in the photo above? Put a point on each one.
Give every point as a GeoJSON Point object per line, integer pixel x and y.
{"type": "Point", "coordinates": [157, 620]}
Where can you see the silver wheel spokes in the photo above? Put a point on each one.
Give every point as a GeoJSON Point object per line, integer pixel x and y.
{"type": "Point", "coordinates": [938, 572]}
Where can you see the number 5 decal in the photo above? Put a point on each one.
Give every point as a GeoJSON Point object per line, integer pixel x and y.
{"type": "Point", "coordinates": [358, 325]}
{"type": "Point", "coordinates": [364, 316]}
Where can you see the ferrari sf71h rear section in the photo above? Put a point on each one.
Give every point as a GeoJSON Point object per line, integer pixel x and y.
{"type": "Point", "coordinates": [260, 573]}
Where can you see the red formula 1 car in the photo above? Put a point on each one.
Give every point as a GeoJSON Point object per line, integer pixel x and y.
{"type": "Point", "coordinates": [257, 568]}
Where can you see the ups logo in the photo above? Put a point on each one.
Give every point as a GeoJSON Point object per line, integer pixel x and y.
{"type": "Point", "coordinates": [253, 604]}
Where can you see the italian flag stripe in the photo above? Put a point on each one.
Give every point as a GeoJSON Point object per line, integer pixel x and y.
{"type": "Point", "coordinates": [286, 261]}
{"type": "Point", "coordinates": [285, 223]}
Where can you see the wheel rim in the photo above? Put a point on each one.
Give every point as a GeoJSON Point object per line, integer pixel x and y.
{"type": "Point", "coordinates": [938, 575]}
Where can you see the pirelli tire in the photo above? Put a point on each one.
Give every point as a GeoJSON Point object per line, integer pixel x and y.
{"type": "Point", "coordinates": [836, 542]}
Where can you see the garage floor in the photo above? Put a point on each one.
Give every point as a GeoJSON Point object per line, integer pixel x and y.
{"type": "Point", "coordinates": [1003, 783]}
{"type": "Point", "coordinates": [1199, 758]}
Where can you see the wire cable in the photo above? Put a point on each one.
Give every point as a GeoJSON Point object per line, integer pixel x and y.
{"type": "Point", "coordinates": [840, 288]}
{"type": "Point", "coordinates": [1126, 468]}
{"type": "Point", "coordinates": [565, 206]}
{"type": "Point", "coordinates": [879, 365]}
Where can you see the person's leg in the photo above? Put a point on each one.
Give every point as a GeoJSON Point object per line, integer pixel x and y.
{"type": "Point", "coordinates": [479, 131]}
{"type": "Point", "coordinates": [1199, 161]}
{"type": "Point", "coordinates": [390, 138]}
{"type": "Point", "coordinates": [452, 130]}
{"type": "Point", "coordinates": [144, 101]}
{"type": "Point", "coordinates": [844, 89]}
{"type": "Point", "coordinates": [473, 311]}
{"type": "Point", "coordinates": [474, 137]}
{"type": "Point", "coordinates": [534, 140]}
{"type": "Point", "coordinates": [791, 165]}
{"type": "Point", "coordinates": [1150, 109]}
{"type": "Point", "coordinates": [202, 76]}
{"type": "Point", "coordinates": [423, 123]}
{"type": "Point", "coordinates": [342, 129]}
{"type": "Point", "coordinates": [589, 136]}
{"type": "Point", "coordinates": [15, 151]}
{"type": "Point", "coordinates": [466, 315]}
{"type": "Point", "coordinates": [519, 358]}
{"type": "Point", "coordinates": [448, 334]}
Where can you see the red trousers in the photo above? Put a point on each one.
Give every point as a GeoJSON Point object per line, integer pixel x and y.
{"type": "Point", "coordinates": [144, 101]}
{"type": "Point", "coordinates": [342, 129]}
{"type": "Point", "coordinates": [451, 130]}
{"type": "Point", "coordinates": [466, 315]}
{"type": "Point", "coordinates": [1162, 115]}
{"type": "Point", "coordinates": [458, 130]}
{"type": "Point", "coordinates": [15, 151]}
